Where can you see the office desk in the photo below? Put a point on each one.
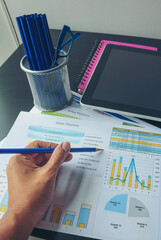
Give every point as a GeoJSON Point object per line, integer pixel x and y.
{"type": "Point", "coordinates": [15, 94]}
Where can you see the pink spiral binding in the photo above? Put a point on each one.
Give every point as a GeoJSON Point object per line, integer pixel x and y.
{"type": "Point", "coordinates": [96, 57]}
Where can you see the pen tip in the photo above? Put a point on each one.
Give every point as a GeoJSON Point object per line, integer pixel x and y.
{"type": "Point", "coordinates": [99, 149]}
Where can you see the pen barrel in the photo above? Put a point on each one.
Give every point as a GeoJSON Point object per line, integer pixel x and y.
{"type": "Point", "coordinates": [83, 150]}
{"type": "Point", "coordinates": [41, 150]}
{"type": "Point", "coordinates": [26, 150]}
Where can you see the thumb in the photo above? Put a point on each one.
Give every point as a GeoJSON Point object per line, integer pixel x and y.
{"type": "Point", "coordinates": [58, 156]}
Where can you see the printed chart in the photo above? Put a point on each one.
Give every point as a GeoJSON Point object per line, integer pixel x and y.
{"type": "Point", "coordinates": [56, 216]}
{"type": "Point", "coordinates": [73, 207]}
{"type": "Point", "coordinates": [135, 141]}
{"type": "Point", "coordinates": [127, 215]}
{"type": "Point", "coordinates": [134, 172]}
{"type": "Point", "coordinates": [118, 204]}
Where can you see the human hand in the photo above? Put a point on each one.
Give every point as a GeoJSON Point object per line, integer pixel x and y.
{"type": "Point", "coordinates": [31, 179]}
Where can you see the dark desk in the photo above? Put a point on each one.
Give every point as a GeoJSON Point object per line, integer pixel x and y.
{"type": "Point", "coordinates": [15, 95]}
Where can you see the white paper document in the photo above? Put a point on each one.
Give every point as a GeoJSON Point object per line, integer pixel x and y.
{"type": "Point", "coordinates": [111, 194]}
{"type": "Point", "coordinates": [77, 111]}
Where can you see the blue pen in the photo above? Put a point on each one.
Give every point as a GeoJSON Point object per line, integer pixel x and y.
{"type": "Point", "coordinates": [39, 41]}
{"type": "Point", "coordinates": [39, 49]}
{"type": "Point", "coordinates": [42, 40]}
{"type": "Point", "coordinates": [44, 150]}
{"type": "Point", "coordinates": [34, 41]}
{"type": "Point", "coordinates": [28, 41]}
{"type": "Point", "coordinates": [24, 42]}
{"type": "Point", "coordinates": [47, 37]}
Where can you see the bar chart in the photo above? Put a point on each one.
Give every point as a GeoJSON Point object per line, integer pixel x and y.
{"type": "Point", "coordinates": [57, 215]}
{"type": "Point", "coordinates": [134, 172]}
{"type": "Point", "coordinates": [130, 170]}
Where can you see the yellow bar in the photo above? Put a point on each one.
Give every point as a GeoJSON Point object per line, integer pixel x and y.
{"type": "Point", "coordinates": [118, 173]}
{"type": "Point", "coordinates": [130, 180]}
{"type": "Point", "coordinates": [136, 184]}
{"type": "Point", "coordinates": [56, 214]}
{"type": "Point", "coordinates": [123, 184]}
{"type": "Point", "coordinates": [112, 172]}
{"type": "Point", "coordinates": [67, 222]}
{"type": "Point", "coordinates": [149, 183]}
{"type": "Point", "coordinates": [142, 186]}
{"type": "Point", "coordinates": [81, 225]}
{"type": "Point", "coordinates": [3, 208]}
{"type": "Point", "coordinates": [134, 141]}
{"type": "Point", "coordinates": [134, 131]}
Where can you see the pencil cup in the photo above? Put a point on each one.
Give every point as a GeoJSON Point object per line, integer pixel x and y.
{"type": "Point", "coordinates": [50, 88]}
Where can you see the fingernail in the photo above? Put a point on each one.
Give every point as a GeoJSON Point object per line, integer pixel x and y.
{"type": "Point", "coordinates": [66, 146]}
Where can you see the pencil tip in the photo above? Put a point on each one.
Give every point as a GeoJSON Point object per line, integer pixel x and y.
{"type": "Point", "coordinates": [99, 149]}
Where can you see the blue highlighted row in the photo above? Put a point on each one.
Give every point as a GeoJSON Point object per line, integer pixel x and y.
{"type": "Point", "coordinates": [55, 131]}
{"type": "Point", "coordinates": [135, 147]}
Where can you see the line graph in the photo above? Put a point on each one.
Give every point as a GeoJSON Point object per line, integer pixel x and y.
{"type": "Point", "coordinates": [133, 172]}
{"type": "Point", "coordinates": [130, 170]}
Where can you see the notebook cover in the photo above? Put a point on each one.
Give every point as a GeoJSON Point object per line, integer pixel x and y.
{"type": "Point", "coordinates": [97, 55]}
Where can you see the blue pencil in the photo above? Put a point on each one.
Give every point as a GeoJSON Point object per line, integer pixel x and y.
{"type": "Point", "coordinates": [43, 150]}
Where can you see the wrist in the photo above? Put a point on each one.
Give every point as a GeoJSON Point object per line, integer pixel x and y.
{"type": "Point", "coordinates": [16, 225]}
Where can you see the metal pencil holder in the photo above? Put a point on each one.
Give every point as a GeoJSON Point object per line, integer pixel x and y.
{"type": "Point", "coordinates": [50, 88]}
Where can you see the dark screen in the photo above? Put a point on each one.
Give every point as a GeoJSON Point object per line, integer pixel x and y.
{"type": "Point", "coordinates": [131, 78]}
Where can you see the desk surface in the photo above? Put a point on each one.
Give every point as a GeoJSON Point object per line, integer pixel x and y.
{"type": "Point", "coordinates": [15, 94]}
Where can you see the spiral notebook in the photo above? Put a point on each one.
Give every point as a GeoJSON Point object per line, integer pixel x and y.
{"type": "Point", "coordinates": [94, 57]}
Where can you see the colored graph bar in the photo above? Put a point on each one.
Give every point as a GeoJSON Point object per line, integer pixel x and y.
{"type": "Point", "coordinates": [136, 184]}
{"type": "Point", "coordinates": [84, 216]}
{"type": "Point", "coordinates": [45, 214]}
{"type": "Point", "coordinates": [124, 176]}
{"type": "Point", "coordinates": [69, 218]}
{"type": "Point", "coordinates": [3, 208]}
{"type": "Point", "coordinates": [113, 170]}
{"type": "Point", "coordinates": [142, 186]}
{"type": "Point", "coordinates": [56, 214]}
{"type": "Point", "coordinates": [130, 178]}
{"type": "Point", "coordinates": [131, 170]}
{"type": "Point", "coordinates": [119, 171]}
{"type": "Point", "coordinates": [149, 182]}
{"type": "Point", "coordinates": [3, 204]}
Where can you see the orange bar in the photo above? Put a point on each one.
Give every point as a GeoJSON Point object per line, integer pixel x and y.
{"type": "Point", "coordinates": [118, 173]}
{"type": "Point", "coordinates": [56, 214]}
{"type": "Point", "coordinates": [113, 170]}
{"type": "Point", "coordinates": [3, 208]}
{"type": "Point", "coordinates": [68, 222]}
{"type": "Point", "coordinates": [149, 182]}
{"type": "Point", "coordinates": [130, 180]}
{"type": "Point", "coordinates": [81, 225]}
{"type": "Point", "coordinates": [136, 184]}
{"type": "Point", "coordinates": [123, 184]}
{"type": "Point", "coordinates": [142, 186]}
